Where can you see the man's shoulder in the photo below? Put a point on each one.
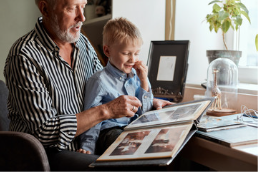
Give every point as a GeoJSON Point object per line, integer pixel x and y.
{"type": "Point", "coordinates": [23, 44]}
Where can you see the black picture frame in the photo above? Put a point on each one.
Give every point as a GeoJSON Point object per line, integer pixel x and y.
{"type": "Point", "coordinates": [160, 51]}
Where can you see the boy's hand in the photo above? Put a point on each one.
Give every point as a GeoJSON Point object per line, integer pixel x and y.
{"type": "Point", "coordinates": [142, 72]}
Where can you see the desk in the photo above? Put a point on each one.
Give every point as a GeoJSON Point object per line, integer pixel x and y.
{"type": "Point", "coordinates": [219, 157]}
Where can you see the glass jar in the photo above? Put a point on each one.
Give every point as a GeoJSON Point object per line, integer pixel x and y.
{"type": "Point", "coordinates": [222, 84]}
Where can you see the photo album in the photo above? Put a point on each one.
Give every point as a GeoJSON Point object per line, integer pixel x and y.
{"type": "Point", "coordinates": [156, 134]}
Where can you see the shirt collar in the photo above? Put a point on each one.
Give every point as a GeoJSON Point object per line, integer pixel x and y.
{"type": "Point", "coordinates": [119, 74]}
{"type": "Point", "coordinates": [44, 37]}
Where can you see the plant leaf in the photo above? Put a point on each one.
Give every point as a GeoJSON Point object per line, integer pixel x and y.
{"type": "Point", "coordinates": [246, 15]}
{"type": "Point", "coordinates": [216, 26]}
{"type": "Point", "coordinates": [243, 7]}
{"type": "Point", "coordinates": [223, 15]}
{"type": "Point", "coordinates": [225, 26]}
{"type": "Point", "coordinates": [214, 2]}
{"type": "Point", "coordinates": [216, 8]}
{"type": "Point", "coordinates": [256, 42]}
{"type": "Point", "coordinates": [238, 20]}
{"type": "Point", "coordinates": [211, 28]}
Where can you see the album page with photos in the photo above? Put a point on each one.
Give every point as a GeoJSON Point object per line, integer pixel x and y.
{"type": "Point", "coordinates": [156, 134]}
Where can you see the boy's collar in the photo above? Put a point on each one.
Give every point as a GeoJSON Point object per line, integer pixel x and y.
{"type": "Point", "coordinates": [117, 73]}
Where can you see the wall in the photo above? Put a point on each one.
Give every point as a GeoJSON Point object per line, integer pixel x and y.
{"type": "Point", "coordinates": [147, 15]}
{"type": "Point", "coordinates": [17, 17]}
{"type": "Point", "coordinates": [190, 25]}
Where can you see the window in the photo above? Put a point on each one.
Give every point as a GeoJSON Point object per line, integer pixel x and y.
{"type": "Point", "coordinates": [244, 39]}
{"type": "Point", "coordinates": [190, 25]}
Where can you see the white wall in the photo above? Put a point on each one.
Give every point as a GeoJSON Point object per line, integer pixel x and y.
{"type": "Point", "coordinates": [17, 17]}
{"type": "Point", "coordinates": [190, 25]}
{"type": "Point", "coordinates": [147, 15]}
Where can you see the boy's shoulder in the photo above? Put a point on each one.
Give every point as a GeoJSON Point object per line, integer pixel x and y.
{"type": "Point", "coordinates": [99, 75]}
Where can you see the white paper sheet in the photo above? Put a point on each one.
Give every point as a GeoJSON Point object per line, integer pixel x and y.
{"type": "Point", "coordinates": [166, 68]}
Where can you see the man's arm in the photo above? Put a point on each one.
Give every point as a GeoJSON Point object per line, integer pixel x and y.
{"type": "Point", "coordinates": [31, 106]}
{"type": "Point", "coordinates": [120, 107]}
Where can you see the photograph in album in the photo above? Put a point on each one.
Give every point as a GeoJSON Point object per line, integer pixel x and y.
{"type": "Point", "coordinates": [147, 144]}
{"type": "Point", "coordinates": [174, 114]}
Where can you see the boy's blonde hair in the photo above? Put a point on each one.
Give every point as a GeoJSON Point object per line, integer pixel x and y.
{"type": "Point", "coordinates": [119, 30]}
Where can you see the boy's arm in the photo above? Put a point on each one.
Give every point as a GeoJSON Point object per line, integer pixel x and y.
{"type": "Point", "coordinates": [142, 73]}
{"type": "Point", "coordinates": [93, 94]}
{"type": "Point", "coordinates": [146, 97]}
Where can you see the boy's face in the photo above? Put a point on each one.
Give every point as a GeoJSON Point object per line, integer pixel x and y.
{"type": "Point", "coordinates": [123, 55]}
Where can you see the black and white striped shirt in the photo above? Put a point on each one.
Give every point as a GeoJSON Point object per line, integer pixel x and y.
{"type": "Point", "coordinates": [45, 93]}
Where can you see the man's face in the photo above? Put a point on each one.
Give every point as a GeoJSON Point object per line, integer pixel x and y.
{"type": "Point", "coordinates": [66, 19]}
{"type": "Point", "coordinates": [124, 55]}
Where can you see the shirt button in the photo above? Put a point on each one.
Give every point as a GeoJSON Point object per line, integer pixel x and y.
{"type": "Point", "coordinates": [145, 97]}
{"type": "Point", "coordinates": [120, 78]}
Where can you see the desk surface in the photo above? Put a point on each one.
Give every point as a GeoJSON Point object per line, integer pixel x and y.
{"type": "Point", "coordinates": [220, 157]}
{"type": "Point", "coordinates": [249, 149]}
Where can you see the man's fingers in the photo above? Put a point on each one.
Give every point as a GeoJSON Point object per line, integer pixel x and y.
{"type": "Point", "coordinates": [134, 101]}
{"type": "Point", "coordinates": [123, 105]}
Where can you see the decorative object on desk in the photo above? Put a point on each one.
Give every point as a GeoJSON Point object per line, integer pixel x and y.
{"type": "Point", "coordinates": [216, 93]}
{"type": "Point", "coordinates": [222, 80]}
{"type": "Point", "coordinates": [168, 63]}
{"type": "Point", "coordinates": [228, 15]}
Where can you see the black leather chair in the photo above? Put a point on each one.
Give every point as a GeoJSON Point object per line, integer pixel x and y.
{"type": "Point", "coordinates": [18, 151]}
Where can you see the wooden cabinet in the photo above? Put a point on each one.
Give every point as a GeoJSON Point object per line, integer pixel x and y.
{"type": "Point", "coordinates": [147, 15]}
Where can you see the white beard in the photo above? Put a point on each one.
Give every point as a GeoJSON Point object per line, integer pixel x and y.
{"type": "Point", "coordinates": [65, 36]}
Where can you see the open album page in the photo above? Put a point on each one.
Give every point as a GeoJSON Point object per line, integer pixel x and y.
{"type": "Point", "coordinates": [171, 115]}
{"type": "Point", "coordinates": [158, 142]}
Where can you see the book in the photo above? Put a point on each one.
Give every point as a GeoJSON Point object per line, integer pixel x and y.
{"type": "Point", "coordinates": [210, 123]}
{"type": "Point", "coordinates": [156, 135]}
{"type": "Point", "coordinates": [233, 137]}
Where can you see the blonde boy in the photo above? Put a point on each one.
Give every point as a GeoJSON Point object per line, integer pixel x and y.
{"type": "Point", "coordinates": [124, 74]}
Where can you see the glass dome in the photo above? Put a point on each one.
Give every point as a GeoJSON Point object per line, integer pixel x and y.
{"type": "Point", "coordinates": [222, 80]}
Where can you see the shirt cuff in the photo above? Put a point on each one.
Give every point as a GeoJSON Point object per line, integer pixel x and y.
{"type": "Point", "coordinates": [146, 99]}
{"type": "Point", "coordinates": [68, 128]}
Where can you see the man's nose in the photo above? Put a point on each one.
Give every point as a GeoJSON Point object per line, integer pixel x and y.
{"type": "Point", "coordinates": [81, 16]}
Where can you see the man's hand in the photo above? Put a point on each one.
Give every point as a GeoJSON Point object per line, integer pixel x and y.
{"type": "Point", "coordinates": [123, 106]}
{"type": "Point", "coordinates": [142, 72]}
{"type": "Point", "coordinates": [159, 104]}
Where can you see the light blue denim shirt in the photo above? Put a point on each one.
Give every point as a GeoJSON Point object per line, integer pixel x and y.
{"type": "Point", "coordinates": [108, 84]}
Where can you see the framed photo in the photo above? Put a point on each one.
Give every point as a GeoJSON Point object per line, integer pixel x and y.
{"type": "Point", "coordinates": [168, 63]}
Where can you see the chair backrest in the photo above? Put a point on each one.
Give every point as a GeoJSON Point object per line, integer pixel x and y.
{"type": "Point", "coordinates": [4, 121]}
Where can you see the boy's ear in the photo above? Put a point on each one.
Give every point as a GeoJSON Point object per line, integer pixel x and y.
{"type": "Point", "coordinates": [106, 50]}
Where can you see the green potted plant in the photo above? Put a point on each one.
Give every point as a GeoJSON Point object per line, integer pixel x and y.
{"type": "Point", "coordinates": [226, 14]}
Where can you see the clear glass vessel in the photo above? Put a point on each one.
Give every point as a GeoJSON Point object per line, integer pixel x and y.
{"type": "Point", "coordinates": [222, 84]}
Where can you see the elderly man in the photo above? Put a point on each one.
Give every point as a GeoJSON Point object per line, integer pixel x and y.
{"type": "Point", "coordinates": [46, 72]}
